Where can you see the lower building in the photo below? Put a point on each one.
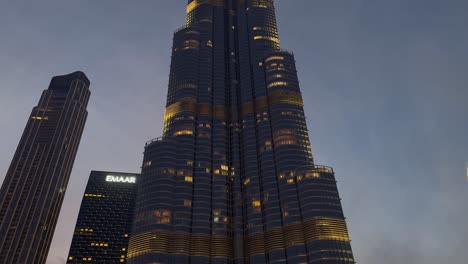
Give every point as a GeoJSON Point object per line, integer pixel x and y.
{"type": "Point", "coordinates": [105, 218]}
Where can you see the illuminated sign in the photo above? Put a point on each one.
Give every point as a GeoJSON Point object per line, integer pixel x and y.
{"type": "Point", "coordinates": [124, 179]}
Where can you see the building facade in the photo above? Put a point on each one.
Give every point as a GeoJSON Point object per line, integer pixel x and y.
{"type": "Point", "coordinates": [105, 219]}
{"type": "Point", "coordinates": [34, 187]}
{"type": "Point", "coordinates": [233, 179]}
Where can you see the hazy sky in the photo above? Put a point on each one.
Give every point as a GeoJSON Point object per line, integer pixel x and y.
{"type": "Point", "coordinates": [385, 84]}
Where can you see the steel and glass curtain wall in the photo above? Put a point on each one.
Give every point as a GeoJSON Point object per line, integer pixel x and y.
{"type": "Point", "coordinates": [233, 180]}
{"type": "Point", "coordinates": [34, 187]}
{"type": "Point", "coordinates": [106, 213]}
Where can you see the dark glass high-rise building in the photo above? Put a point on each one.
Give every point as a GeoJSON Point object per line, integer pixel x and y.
{"type": "Point", "coordinates": [233, 180]}
{"type": "Point", "coordinates": [105, 218]}
{"type": "Point", "coordinates": [34, 187]}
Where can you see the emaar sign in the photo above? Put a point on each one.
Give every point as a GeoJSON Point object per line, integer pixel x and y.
{"type": "Point", "coordinates": [124, 179]}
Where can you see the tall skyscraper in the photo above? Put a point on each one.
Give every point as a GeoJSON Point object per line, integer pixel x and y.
{"type": "Point", "coordinates": [34, 187]}
{"type": "Point", "coordinates": [105, 218]}
{"type": "Point", "coordinates": [232, 180]}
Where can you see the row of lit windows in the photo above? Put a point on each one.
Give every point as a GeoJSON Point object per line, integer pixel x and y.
{"type": "Point", "coordinates": [183, 132]}
{"type": "Point", "coordinates": [83, 259]}
{"type": "Point", "coordinates": [262, 3]}
{"type": "Point", "coordinates": [122, 258]}
{"type": "Point", "coordinates": [40, 118]}
{"type": "Point", "coordinates": [280, 96]}
{"type": "Point", "coordinates": [274, 58]}
{"type": "Point", "coordinates": [99, 244]}
{"type": "Point", "coordinates": [270, 38]}
{"type": "Point", "coordinates": [260, 243]}
{"type": "Point", "coordinates": [94, 195]}
{"type": "Point", "coordinates": [193, 44]}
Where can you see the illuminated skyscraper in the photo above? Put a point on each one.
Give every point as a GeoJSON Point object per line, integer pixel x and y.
{"type": "Point", "coordinates": [105, 219]}
{"type": "Point", "coordinates": [232, 180]}
{"type": "Point", "coordinates": [32, 192]}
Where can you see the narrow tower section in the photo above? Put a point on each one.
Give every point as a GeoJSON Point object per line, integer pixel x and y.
{"type": "Point", "coordinates": [34, 187]}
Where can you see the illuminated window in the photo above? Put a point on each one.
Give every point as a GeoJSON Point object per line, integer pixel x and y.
{"type": "Point", "coordinates": [70, 258]}
{"type": "Point", "coordinates": [40, 118]}
{"type": "Point", "coordinates": [284, 137]}
{"type": "Point", "coordinates": [256, 203]}
{"type": "Point", "coordinates": [147, 164]}
{"type": "Point", "coordinates": [183, 132]}
{"type": "Point", "coordinates": [274, 58]}
{"type": "Point", "coordinates": [191, 44]}
{"type": "Point", "coordinates": [188, 179]}
{"type": "Point", "coordinates": [86, 230]}
{"type": "Point", "coordinates": [246, 181]}
{"type": "Point", "coordinates": [94, 195]}
{"type": "Point", "coordinates": [187, 203]}
{"type": "Point", "coordinates": [162, 216]}
{"type": "Point", "coordinates": [276, 76]}
{"type": "Point", "coordinates": [311, 174]}
{"type": "Point", "coordinates": [273, 39]}
{"type": "Point", "coordinates": [276, 84]}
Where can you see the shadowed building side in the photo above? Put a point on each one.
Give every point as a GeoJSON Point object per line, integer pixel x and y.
{"type": "Point", "coordinates": [34, 187]}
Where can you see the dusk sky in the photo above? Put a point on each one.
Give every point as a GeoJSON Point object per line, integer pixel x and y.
{"type": "Point", "coordinates": [385, 85]}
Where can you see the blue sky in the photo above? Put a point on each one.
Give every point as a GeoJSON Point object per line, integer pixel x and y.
{"type": "Point", "coordinates": [385, 86]}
